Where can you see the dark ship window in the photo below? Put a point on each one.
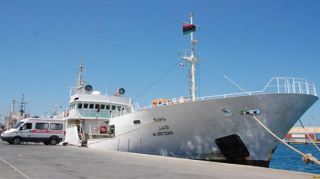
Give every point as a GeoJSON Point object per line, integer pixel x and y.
{"type": "Point", "coordinates": [79, 106]}
{"type": "Point", "coordinates": [136, 122]}
{"type": "Point", "coordinates": [85, 105]}
{"type": "Point", "coordinates": [91, 106]}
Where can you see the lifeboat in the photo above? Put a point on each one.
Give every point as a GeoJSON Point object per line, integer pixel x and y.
{"type": "Point", "coordinates": [160, 101]}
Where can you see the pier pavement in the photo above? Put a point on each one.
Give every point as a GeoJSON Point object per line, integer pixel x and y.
{"type": "Point", "coordinates": [40, 161]}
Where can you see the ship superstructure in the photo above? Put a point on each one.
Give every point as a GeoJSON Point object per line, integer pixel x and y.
{"type": "Point", "coordinates": [89, 111]}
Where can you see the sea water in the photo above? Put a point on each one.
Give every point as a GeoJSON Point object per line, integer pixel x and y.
{"type": "Point", "coordinates": [287, 159]}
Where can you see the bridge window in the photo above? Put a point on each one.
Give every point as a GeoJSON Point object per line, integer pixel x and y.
{"type": "Point", "coordinates": [91, 106]}
{"type": "Point", "coordinates": [108, 107]}
{"type": "Point", "coordinates": [113, 107]}
{"type": "Point", "coordinates": [102, 106]}
{"type": "Point", "coordinates": [97, 106]}
{"type": "Point", "coordinates": [79, 105]}
{"type": "Point", "coordinates": [85, 105]}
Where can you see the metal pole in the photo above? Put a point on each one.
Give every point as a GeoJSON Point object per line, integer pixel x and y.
{"type": "Point", "coordinates": [278, 85]}
{"type": "Point", "coordinates": [307, 86]}
{"type": "Point", "coordinates": [293, 86]}
{"type": "Point", "coordinates": [300, 88]}
{"type": "Point", "coordinates": [285, 86]}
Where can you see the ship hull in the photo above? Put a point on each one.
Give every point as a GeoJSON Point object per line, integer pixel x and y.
{"type": "Point", "coordinates": [213, 129]}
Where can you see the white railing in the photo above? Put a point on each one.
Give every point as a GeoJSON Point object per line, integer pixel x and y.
{"type": "Point", "coordinates": [275, 85]}
{"type": "Point", "coordinates": [291, 85]}
{"type": "Point", "coordinates": [93, 113]}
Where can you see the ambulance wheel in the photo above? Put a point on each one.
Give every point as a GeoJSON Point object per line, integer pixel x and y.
{"type": "Point", "coordinates": [16, 140]}
{"type": "Point", "coordinates": [53, 141]}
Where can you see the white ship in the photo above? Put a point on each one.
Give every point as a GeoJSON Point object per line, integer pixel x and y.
{"type": "Point", "coordinates": [219, 128]}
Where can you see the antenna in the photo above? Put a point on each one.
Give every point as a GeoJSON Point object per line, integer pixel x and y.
{"type": "Point", "coordinates": [192, 59]}
{"type": "Point", "coordinates": [13, 106]}
{"type": "Point", "coordinates": [80, 78]}
{"type": "Point", "coordinates": [107, 90]}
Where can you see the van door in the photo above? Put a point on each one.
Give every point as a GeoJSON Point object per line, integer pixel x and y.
{"type": "Point", "coordinates": [25, 132]}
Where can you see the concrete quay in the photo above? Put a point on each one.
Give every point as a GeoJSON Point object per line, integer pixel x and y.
{"type": "Point", "coordinates": [40, 161]}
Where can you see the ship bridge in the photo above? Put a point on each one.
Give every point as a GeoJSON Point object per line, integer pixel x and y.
{"type": "Point", "coordinates": [93, 106]}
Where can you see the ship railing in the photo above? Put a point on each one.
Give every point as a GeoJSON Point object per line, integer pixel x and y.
{"type": "Point", "coordinates": [275, 85]}
{"type": "Point", "coordinates": [101, 114]}
{"type": "Point", "coordinates": [291, 85]}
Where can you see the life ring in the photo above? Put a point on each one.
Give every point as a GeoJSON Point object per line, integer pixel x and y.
{"type": "Point", "coordinates": [103, 129]}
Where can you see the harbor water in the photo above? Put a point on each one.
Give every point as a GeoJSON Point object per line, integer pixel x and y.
{"type": "Point", "coordinates": [287, 159]}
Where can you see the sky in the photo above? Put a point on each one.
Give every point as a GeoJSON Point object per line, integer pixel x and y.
{"type": "Point", "coordinates": [135, 44]}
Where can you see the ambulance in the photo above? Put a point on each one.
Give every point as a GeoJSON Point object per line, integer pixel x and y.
{"type": "Point", "coordinates": [47, 130]}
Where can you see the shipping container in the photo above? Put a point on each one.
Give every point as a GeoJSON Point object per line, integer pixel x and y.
{"type": "Point", "coordinates": [298, 136]}
{"type": "Point", "coordinates": [288, 136]}
{"type": "Point", "coordinates": [312, 136]}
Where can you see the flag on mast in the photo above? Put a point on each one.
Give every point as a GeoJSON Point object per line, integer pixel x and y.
{"type": "Point", "coordinates": [188, 28]}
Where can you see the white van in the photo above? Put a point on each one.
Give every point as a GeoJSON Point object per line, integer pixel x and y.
{"type": "Point", "coordinates": [49, 131]}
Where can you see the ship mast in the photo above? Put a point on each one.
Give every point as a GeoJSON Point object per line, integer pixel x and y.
{"type": "Point", "coordinates": [80, 80]}
{"type": "Point", "coordinates": [22, 106]}
{"type": "Point", "coordinates": [192, 59]}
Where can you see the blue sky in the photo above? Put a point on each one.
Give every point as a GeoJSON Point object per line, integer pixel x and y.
{"type": "Point", "coordinates": [131, 43]}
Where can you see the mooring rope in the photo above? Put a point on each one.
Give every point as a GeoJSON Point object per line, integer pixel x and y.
{"type": "Point", "coordinates": [306, 157]}
{"type": "Point", "coordinates": [309, 136]}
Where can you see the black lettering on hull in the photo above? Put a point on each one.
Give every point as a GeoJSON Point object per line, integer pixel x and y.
{"type": "Point", "coordinates": [163, 133]}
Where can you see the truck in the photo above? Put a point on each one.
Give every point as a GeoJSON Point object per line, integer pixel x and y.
{"type": "Point", "coordinates": [38, 130]}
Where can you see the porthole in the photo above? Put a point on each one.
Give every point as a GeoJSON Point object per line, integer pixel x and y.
{"type": "Point", "coordinates": [136, 122]}
{"type": "Point", "coordinates": [227, 112]}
